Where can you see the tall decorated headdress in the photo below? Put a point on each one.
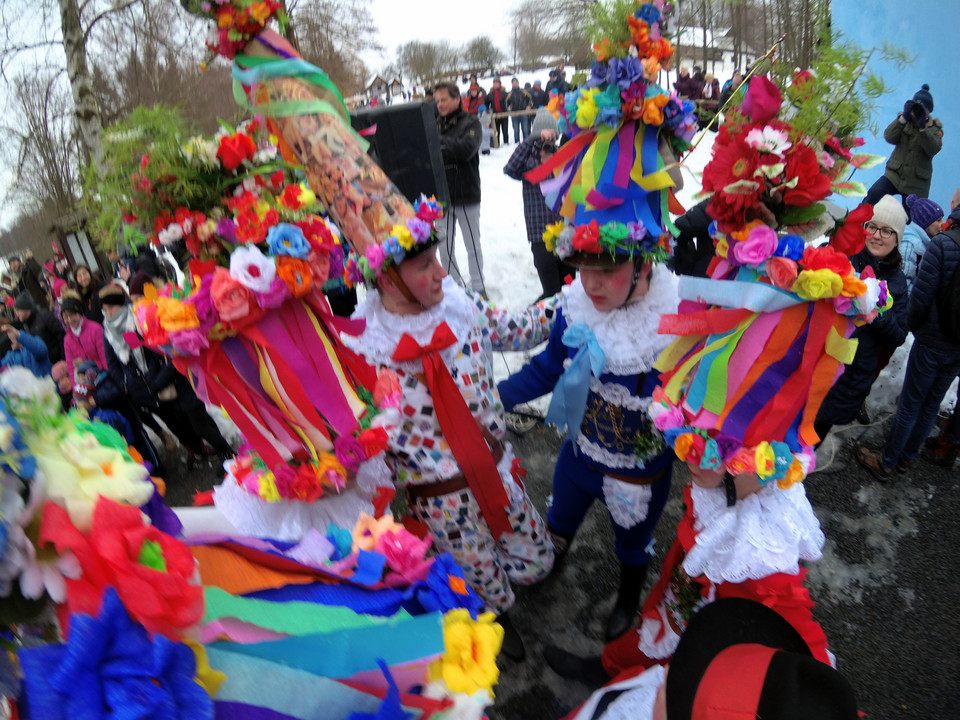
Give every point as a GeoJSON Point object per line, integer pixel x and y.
{"type": "Point", "coordinates": [764, 337]}
{"type": "Point", "coordinates": [610, 180]}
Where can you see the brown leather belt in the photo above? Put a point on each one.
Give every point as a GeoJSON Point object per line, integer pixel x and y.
{"type": "Point", "coordinates": [450, 485]}
{"type": "Point", "coordinates": [632, 479]}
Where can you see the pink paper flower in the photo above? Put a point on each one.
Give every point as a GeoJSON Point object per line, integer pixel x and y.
{"type": "Point", "coordinates": [406, 557]}
{"type": "Point", "coordinates": [760, 244]}
{"type": "Point", "coordinates": [762, 101]}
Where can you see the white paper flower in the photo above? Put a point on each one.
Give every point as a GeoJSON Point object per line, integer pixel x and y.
{"type": "Point", "coordinates": [769, 140]}
{"type": "Point", "coordinates": [252, 268]}
{"type": "Point", "coordinates": [868, 301]}
{"type": "Point", "coordinates": [169, 235]}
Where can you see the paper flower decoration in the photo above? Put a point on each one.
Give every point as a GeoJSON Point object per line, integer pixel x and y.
{"type": "Point", "coordinates": [469, 662]}
{"type": "Point", "coordinates": [112, 668]}
{"type": "Point", "coordinates": [154, 574]}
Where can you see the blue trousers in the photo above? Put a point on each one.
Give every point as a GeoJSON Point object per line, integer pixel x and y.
{"type": "Point", "coordinates": [576, 485]}
{"type": "Point", "coordinates": [928, 377]}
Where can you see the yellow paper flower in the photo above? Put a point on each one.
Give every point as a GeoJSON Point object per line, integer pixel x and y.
{"type": "Point", "coordinates": [469, 662]}
{"type": "Point", "coordinates": [207, 678]}
{"type": "Point", "coordinates": [766, 459]}
{"type": "Point", "coordinates": [307, 196]}
{"type": "Point", "coordinates": [369, 529]}
{"type": "Point", "coordinates": [403, 236]}
{"type": "Point", "coordinates": [268, 488]}
{"type": "Point", "coordinates": [587, 108]}
{"type": "Point", "coordinates": [723, 247]}
{"type": "Point", "coordinates": [174, 315]}
{"type": "Point", "coordinates": [550, 234]}
{"type": "Point", "coordinates": [792, 477]}
{"type": "Point", "coordinates": [817, 284]}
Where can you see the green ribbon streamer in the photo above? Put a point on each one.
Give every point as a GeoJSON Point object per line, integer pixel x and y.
{"type": "Point", "coordinates": [249, 70]}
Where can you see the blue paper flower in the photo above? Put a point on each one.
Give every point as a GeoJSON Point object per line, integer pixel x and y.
{"type": "Point", "coordinates": [341, 539]}
{"type": "Point", "coordinates": [790, 246]}
{"type": "Point", "coordinates": [629, 70]}
{"type": "Point", "coordinates": [393, 248]}
{"type": "Point", "coordinates": [287, 239]}
{"type": "Point", "coordinates": [598, 74]}
{"type": "Point", "coordinates": [445, 588]}
{"type": "Point", "coordinates": [111, 669]}
{"type": "Point", "coordinates": [649, 14]}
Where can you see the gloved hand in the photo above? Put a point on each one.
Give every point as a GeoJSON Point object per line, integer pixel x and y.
{"type": "Point", "coordinates": [908, 108]}
{"type": "Point", "coordinates": [920, 116]}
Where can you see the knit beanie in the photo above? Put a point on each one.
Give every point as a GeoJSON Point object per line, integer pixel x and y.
{"type": "Point", "coordinates": [890, 212]}
{"type": "Point", "coordinates": [59, 370]}
{"type": "Point", "coordinates": [70, 302]}
{"type": "Point", "coordinates": [924, 97]}
{"type": "Point", "coordinates": [544, 120]}
{"type": "Point", "coordinates": [924, 211]}
{"type": "Point", "coordinates": [137, 283]}
{"type": "Point", "coordinates": [112, 294]}
{"type": "Point", "coordinates": [24, 301]}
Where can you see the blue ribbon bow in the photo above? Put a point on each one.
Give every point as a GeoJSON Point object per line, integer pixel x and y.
{"type": "Point", "coordinates": [569, 401]}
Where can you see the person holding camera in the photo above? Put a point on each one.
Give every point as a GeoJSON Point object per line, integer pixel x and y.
{"type": "Point", "coordinates": [539, 146]}
{"type": "Point", "coordinates": [917, 137]}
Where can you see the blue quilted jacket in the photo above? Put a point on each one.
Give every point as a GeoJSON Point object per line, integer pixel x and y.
{"type": "Point", "coordinates": [939, 263]}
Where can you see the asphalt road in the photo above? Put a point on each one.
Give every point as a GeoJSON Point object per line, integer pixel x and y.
{"type": "Point", "coordinates": [886, 589]}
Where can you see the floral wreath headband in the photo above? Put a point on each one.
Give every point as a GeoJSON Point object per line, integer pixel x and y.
{"type": "Point", "coordinates": [610, 181]}
{"type": "Point", "coordinates": [405, 241]}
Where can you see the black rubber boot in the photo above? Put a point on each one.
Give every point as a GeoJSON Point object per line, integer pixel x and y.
{"type": "Point", "coordinates": [512, 645]}
{"type": "Point", "coordinates": [624, 615]}
{"type": "Point", "coordinates": [588, 670]}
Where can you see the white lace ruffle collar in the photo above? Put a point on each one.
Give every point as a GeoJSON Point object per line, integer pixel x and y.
{"type": "Point", "coordinates": [384, 328]}
{"type": "Point", "coordinates": [767, 532]}
{"type": "Point", "coordinates": [628, 335]}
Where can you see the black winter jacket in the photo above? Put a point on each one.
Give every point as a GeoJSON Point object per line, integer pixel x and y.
{"type": "Point", "coordinates": [141, 388]}
{"type": "Point", "coordinates": [460, 136]}
{"type": "Point", "coordinates": [44, 325]}
{"type": "Point", "coordinates": [886, 331]}
{"type": "Point", "coordinates": [939, 263]}
{"type": "Point", "coordinates": [519, 99]}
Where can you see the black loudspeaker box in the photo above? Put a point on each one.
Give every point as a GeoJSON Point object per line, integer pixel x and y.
{"type": "Point", "coordinates": [406, 145]}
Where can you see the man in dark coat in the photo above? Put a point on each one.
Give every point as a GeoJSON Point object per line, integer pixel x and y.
{"type": "Point", "coordinates": [28, 277]}
{"type": "Point", "coordinates": [460, 137]}
{"type": "Point", "coordinates": [538, 95]}
{"type": "Point", "coordinates": [519, 100]}
{"type": "Point", "coordinates": [497, 103]}
{"type": "Point", "coordinates": [40, 323]}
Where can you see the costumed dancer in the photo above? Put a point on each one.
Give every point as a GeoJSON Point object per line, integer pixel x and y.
{"type": "Point", "coordinates": [436, 340]}
{"type": "Point", "coordinates": [761, 341]}
{"type": "Point", "coordinates": [599, 361]}
{"type": "Point", "coordinates": [737, 658]}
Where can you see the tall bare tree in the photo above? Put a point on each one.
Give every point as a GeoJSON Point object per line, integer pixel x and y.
{"type": "Point", "coordinates": [333, 34]}
{"type": "Point", "coordinates": [481, 54]}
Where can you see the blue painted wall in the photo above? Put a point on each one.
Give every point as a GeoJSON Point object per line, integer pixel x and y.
{"type": "Point", "coordinates": [927, 30]}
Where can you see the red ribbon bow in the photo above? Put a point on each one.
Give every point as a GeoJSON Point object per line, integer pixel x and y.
{"type": "Point", "coordinates": [460, 427]}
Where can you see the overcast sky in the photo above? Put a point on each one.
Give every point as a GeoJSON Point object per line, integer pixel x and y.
{"type": "Point", "coordinates": [434, 20]}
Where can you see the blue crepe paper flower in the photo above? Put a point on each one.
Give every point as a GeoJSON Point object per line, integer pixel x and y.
{"type": "Point", "coordinates": [110, 669]}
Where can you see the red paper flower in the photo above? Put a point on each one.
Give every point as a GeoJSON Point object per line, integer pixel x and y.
{"type": "Point", "coordinates": [250, 228]}
{"type": "Point", "coordinates": [812, 186]}
{"type": "Point", "coordinates": [234, 149]}
{"type": "Point", "coordinates": [306, 486]}
{"type": "Point", "coordinates": [826, 258]}
{"type": "Point", "coordinates": [374, 441]}
{"type": "Point", "coordinates": [586, 238]}
{"type": "Point", "coordinates": [317, 232]}
{"type": "Point", "coordinates": [850, 238]}
{"type": "Point", "coordinates": [762, 101]}
{"type": "Point", "coordinates": [730, 175]}
{"type": "Point", "coordinates": [290, 198]}
{"type": "Point", "coordinates": [152, 572]}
